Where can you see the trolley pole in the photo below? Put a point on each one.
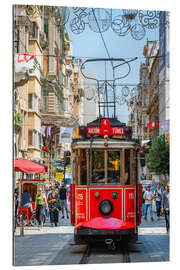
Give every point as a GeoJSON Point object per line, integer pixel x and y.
{"type": "Point", "coordinates": [64, 173]}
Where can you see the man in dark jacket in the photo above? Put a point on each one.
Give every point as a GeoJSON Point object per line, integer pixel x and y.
{"type": "Point", "coordinates": [53, 204]}
{"type": "Point", "coordinates": [63, 193]}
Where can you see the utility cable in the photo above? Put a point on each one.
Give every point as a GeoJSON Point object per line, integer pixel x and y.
{"type": "Point", "coordinates": [102, 38]}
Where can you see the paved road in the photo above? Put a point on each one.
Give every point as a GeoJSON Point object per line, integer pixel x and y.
{"type": "Point", "coordinates": [52, 246]}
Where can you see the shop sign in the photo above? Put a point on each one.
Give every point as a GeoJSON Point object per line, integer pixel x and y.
{"type": "Point", "coordinates": [59, 176]}
{"type": "Point", "coordinates": [69, 170]}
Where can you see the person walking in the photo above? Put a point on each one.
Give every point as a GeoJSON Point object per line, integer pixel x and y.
{"type": "Point", "coordinates": [26, 200]}
{"type": "Point", "coordinates": [158, 196]}
{"type": "Point", "coordinates": [165, 206]}
{"type": "Point", "coordinates": [39, 205]}
{"type": "Point", "coordinates": [45, 209]}
{"type": "Point", "coordinates": [143, 201]}
{"type": "Point", "coordinates": [63, 192]}
{"type": "Point", "coordinates": [148, 197]}
{"type": "Point", "coordinates": [16, 205]}
{"type": "Point", "coordinates": [53, 200]}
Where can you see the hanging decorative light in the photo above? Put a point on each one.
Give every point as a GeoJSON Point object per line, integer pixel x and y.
{"type": "Point", "coordinates": [130, 14]}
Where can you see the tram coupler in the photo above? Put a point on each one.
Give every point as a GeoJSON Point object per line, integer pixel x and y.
{"type": "Point", "coordinates": [110, 243]}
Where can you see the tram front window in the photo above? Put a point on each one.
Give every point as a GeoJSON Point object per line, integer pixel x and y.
{"type": "Point", "coordinates": [113, 167]}
{"type": "Point", "coordinates": [98, 167]}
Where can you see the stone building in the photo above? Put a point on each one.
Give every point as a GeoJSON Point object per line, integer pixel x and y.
{"type": "Point", "coordinates": [27, 87]}
{"type": "Point", "coordinates": [133, 116]}
{"type": "Point", "coordinates": [164, 66]}
{"type": "Point", "coordinates": [142, 103]}
{"type": "Point", "coordinates": [148, 93]}
{"type": "Point", "coordinates": [151, 52]}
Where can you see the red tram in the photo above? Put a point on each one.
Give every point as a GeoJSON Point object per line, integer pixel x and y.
{"type": "Point", "coordinates": [105, 193]}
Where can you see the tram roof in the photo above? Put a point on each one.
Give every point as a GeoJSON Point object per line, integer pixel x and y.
{"type": "Point", "coordinates": [99, 143]}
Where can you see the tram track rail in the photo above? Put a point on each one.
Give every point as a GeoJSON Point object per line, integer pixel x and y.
{"type": "Point", "coordinates": [90, 254]}
{"type": "Point", "coordinates": [86, 254]}
{"type": "Point", "coordinates": [126, 255]}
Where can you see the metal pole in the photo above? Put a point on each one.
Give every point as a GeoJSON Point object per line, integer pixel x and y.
{"type": "Point", "coordinates": [21, 217]}
{"type": "Point", "coordinates": [91, 141]}
{"type": "Point", "coordinates": [64, 167]}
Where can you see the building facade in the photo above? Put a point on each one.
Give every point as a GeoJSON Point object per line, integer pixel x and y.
{"type": "Point", "coordinates": [164, 97]}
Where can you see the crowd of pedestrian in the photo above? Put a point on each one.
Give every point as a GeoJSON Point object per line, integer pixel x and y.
{"type": "Point", "coordinates": [161, 196]}
{"type": "Point", "coordinates": [49, 202]}
{"type": "Point", "coordinates": [57, 197]}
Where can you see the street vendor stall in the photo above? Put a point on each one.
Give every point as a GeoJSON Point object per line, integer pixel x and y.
{"type": "Point", "coordinates": [32, 180]}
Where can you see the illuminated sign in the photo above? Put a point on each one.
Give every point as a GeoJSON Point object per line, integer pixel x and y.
{"type": "Point", "coordinates": [105, 129]}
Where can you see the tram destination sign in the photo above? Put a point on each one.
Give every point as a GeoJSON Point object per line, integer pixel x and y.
{"type": "Point", "coordinates": [105, 129]}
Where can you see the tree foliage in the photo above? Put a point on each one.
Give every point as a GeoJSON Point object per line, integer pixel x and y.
{"type": "Point", "coordinates": [158, 158]}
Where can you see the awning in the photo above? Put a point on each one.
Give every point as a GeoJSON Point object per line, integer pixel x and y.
{"type": "Point", "coordinates": [34, 181]}
{"type": "Point", "coordinates": [46, 167]}
{"type": "Point", "coordinates": [28, 166]}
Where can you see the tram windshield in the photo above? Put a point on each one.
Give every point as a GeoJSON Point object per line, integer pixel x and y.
{"type": "Point", "coordinates": [101, 166]}
{"type": "Point", "coordinates": [113, 167]}
{"type": "Point", "coordinates": [98, 167]}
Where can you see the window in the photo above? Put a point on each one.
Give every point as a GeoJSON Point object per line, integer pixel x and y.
{"type": "Point", "coordinates": [83, 177]}
{"type": "Point", "coordinates": [40, 140]}
{"type": "Point", "coordinates": [66, 104]}
{"type": "Point", "coordinates": [35, 31]}
{"type": "Point", "coordinates": [34, 138]}
{"type": "Point", "coordinates": [144, 101]}
{"type": "Point", "coordinates": [46, 27]}
{"type": "Point", "coordinates": [113, 167]}
{"type": "Point", "coordinates": [144, 124]}
{"type": "Point", "coordinates": [98, 167]}
{"type": "Point", "coordinates": [30, 101]}
{"type": "Point", "coordinates": [31, 188]}
{"type": "Point", "coordinates": [105, 167]}
{"type": "Point", "coordinates": [33, 103]}
{"type": "Point", "coordinates": [127, 167]}
{"type": "Point", "coordinates": [30, 137]}
{"type": "Point", "coordinates": [57, 139]}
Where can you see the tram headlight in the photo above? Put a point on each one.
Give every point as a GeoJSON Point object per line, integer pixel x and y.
{"type": "Point", "coordinates": [105, 207]}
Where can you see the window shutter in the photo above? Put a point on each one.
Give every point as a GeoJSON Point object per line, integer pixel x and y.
{"type": "Point", "coordinates": [30, 141]}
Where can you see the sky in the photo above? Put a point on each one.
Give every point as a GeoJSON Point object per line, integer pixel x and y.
{"type": "Point", "coordinates": [90, 44]}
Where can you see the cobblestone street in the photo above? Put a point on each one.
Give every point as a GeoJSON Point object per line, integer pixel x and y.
{"type": "Point", "coordinates": [52, 245]}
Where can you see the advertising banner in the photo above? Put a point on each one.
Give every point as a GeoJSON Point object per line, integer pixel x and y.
{"type": "Point", "coordinates": [65, 135]}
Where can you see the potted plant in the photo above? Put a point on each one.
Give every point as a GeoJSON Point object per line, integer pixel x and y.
{"type": "Point", "coordinates": [18, 121]}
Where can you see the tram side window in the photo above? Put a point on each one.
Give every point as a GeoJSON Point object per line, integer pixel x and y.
{"type": "Point", "coordinates": [83, 167]}
{"type": "Point", "coordinates": [127, 167]}
{"type": "Point", "coordinates": [98, 167]}
{"type": "Point", "coordinates": [113, 167]}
